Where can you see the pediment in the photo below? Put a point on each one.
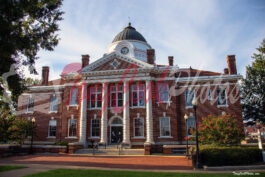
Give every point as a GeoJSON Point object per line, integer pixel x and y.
{"type": "Point", "coordinates": [115, 61]}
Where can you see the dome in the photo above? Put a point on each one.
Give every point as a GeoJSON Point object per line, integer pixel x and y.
{"type": "Point", "coordinates": [129, 33]}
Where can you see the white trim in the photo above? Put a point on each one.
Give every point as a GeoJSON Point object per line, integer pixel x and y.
{"type": "Point", "coordinates": [208, 78]}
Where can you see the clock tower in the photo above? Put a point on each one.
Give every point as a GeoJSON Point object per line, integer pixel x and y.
{"type": "Point", "coordinates": [130, 43]}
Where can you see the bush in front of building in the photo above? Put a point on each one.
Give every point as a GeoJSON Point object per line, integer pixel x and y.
{"type": "Point", "coordinates": [221, 130]}
{"type": "Point", "coordinates": [230, 156]}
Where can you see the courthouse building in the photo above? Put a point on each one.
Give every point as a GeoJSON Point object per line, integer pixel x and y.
{"type": "Point", "coordinates": [127, 97]}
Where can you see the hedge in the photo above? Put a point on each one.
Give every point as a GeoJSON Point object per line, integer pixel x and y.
{"type": "Point", "coordinates": [230, 156]}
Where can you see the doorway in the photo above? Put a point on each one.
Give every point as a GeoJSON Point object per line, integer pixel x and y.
{"type": "Point", "coordinates": [116, 134]}
{"type": "Point", "coordinates": [116, 130]}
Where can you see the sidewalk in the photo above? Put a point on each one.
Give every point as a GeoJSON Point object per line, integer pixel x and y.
{"type": "Point", "coordinates": [44, 162]}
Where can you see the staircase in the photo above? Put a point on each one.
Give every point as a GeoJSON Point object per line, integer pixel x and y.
{"type": "Point", "coordinates": [110, 150]}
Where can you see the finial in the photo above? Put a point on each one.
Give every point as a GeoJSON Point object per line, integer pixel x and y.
{"type": "Point", "coordinates": [129, 24]}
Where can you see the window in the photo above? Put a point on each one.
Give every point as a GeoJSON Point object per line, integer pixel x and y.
{"type": "Point", "coordinates": [116, 95]}
{"type": "Point", "coordinates": [139, 127]}
{"type": "Point", "coordinates": [95, 96]}
{"type": "Point", "coordinates": [52, 128]}
{"type": "Point", "coordinates": [189, 97]}
{"type": "Point", "coordinates": [210, 94]}
{"type": "Point", "coordinates": [138, 95]}
{"type": "Point", "coordinates": [54, 104]}
{"type": "Point", "coordinates": [30, 104]}
{"type": "Point", "coordinates": [72, 126]}
{"type": "Point", "coordinates": [163, 92]}
{"type": "Point", "coordinates": [165, 127]}
{"type": "Point", "coordinates": [73, 98]}
{"type": "Point", "coordinates": [221, 97]}
{"type": "Point", "coordinates": [95, 127]}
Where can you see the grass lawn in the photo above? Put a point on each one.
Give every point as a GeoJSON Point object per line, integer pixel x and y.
{"type": "Point", "coordinates": [8, 167]}
{"type": "Point", "coordinates": [106, 173]}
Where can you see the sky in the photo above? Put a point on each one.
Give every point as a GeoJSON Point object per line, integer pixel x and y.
{"type": "Point", "coordinates": [199, 34]}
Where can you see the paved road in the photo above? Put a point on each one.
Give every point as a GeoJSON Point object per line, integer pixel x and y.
{"type": "Point", "coordinates": [39, 163]}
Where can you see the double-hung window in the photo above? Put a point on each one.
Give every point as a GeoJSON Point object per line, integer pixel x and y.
{"type": "Point", "coordinates": [163, 92]}
{"type": "Point", "coordinates": [138, 95]}
{"type": "Point", "coordinates": [116, 95]}
{"type": "Point", "coordinates": [189, 97]}
{"type": "Point", "coordinates": [95, 127]}
{"type": "Point", "coordinates": [165, 127]}
{"type": "Point", "coordinates": [54, 103]}
{"type": "Point", "coordinates": [30, 106]}
{"type": "Point", "coordinates": [72, 127]}
{"type": "Point", "coordinates": [52, 128]}
{"type": "Point", "coordinates": [73, 96]}
{"type": "Point", "coordinates": [95, 96]}
{"type": "Point", "coordinates": [221, 97]}
{"type": "Point", "coordinates": [138, 127]}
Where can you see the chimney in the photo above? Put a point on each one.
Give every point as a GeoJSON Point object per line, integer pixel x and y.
{"type": "Point", "coordinates": [226, 71]}
{"type": "Point", "coordinates": [231, 62]}
{"type": "Point", "coordinates": [45, 75]}
{"type": "Point", "coordinates": [170, 60]}
{"type": "Point", "coordinates": [85, 60]}
{"type": "Point", "coordinates": [151, 56]}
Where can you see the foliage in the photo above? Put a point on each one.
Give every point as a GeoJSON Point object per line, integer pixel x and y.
{"type": "Point", "coordinates": [6, 121]}
{"type": "Point", "coordinates": [26, 27]}
{"type": "Point", "coordinates": [220, 130]}
{"type": "Point", "coordinates": [253, 87]}
{"type": "Point", "coordinates": [220, 156]}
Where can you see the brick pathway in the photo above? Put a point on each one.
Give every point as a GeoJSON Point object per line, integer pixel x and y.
{"type": "Point", "coordinates": [37, 163]}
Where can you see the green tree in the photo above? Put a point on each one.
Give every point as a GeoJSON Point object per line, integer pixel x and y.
{"type": "Point", "coordinates": [26, 27]}
{"type": "Point", "coordinates": [6, 121]}
{"type": "Point", "coordinates": [20, 129]}
{"type": "Point", "coordinates": [220, 130]}
{"type": "Point", "coordinates": [253, 87]}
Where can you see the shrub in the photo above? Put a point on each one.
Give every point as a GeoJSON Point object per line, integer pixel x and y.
{"type": "Point", "coordinates": [229, 156]}
{"type": "Point", "coordinates": [221, 130]}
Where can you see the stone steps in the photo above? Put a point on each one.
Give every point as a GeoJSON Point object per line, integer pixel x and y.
{"type": "Point", "coordinates": [110, 150]}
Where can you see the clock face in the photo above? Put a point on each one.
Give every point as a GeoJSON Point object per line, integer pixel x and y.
{"type": "Point", "coordinates": [124, 50]}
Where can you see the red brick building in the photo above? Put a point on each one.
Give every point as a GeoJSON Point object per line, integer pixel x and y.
{"type": "Point", "coordinates": [126, 97]}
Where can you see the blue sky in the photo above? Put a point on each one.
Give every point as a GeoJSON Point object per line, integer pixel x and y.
{"type": "Point", "coordinates": [197, 33]}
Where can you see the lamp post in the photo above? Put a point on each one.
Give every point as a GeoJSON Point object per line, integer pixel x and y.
{"type": "Point", "coordinates": [186, 118]}
{"type": "Point", "coordinates": [195, 103]}
{"type": "Point", "coordinates": [32, 132]}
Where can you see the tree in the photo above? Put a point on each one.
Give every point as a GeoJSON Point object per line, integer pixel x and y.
{"type": "Point", "coordinates": [26, 27]}
{"type": "Point", "coordinates": [253, 88]}
{"type": "Point", "coordinates": [6, 121]}
{"type": "Point", "coordinates": [221, 130]}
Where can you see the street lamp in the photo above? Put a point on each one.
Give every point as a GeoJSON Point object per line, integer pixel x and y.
{"type": "Point", "coordinates": [186, 118]}
{"type": "Point", "coordinates": [32, 132]}
{"type": "Point", "coordinates": [195, 103]}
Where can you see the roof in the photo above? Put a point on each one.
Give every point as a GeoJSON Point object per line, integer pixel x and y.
{"type": "Point", "coordinates": [129, 33]}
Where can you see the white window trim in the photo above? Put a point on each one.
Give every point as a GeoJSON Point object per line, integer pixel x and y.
{"type": "Point", "coordinates": [226, 100]}
{"type": "Point", "coordinates": [91, 129]}
{"type": "Point", "coordinates": [140, 137]}
{"type": "Point", "coordinates": [144, 90]}
{"type": "Point", "coordinates": [52, 104]}
{"type": "Point", "coordinates": [71, 95]}
{"type": "Point", "coordinates": [29, 111]}
{"type": "Point", "coordinates": [160, 136]}
{"type": "Point", "coordinates": [69, 128]}
{"type": "Point", "coordinates": [96, 99]}
{"type": "Point", "coordinates": [194, 95]}
{"type": "Point", "coordinates": [49, 129]}
{"type": "Point", "coordinates": [117, 91]}
{"type": "Point", "coordinates": [167, 89]}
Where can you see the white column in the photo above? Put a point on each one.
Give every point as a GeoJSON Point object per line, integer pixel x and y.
{"type": "Point", "coordinates": [83, 115]}
{"type": "Point", "coordinates": [104, 114]}
{"type": "Point", "coordinates": [149, 115]}
{"type": "Point", "coordinates": [126, 118]}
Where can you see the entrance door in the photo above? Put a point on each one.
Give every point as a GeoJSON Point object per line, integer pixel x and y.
{"type": "Point", "coordinates": [116, 135]}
